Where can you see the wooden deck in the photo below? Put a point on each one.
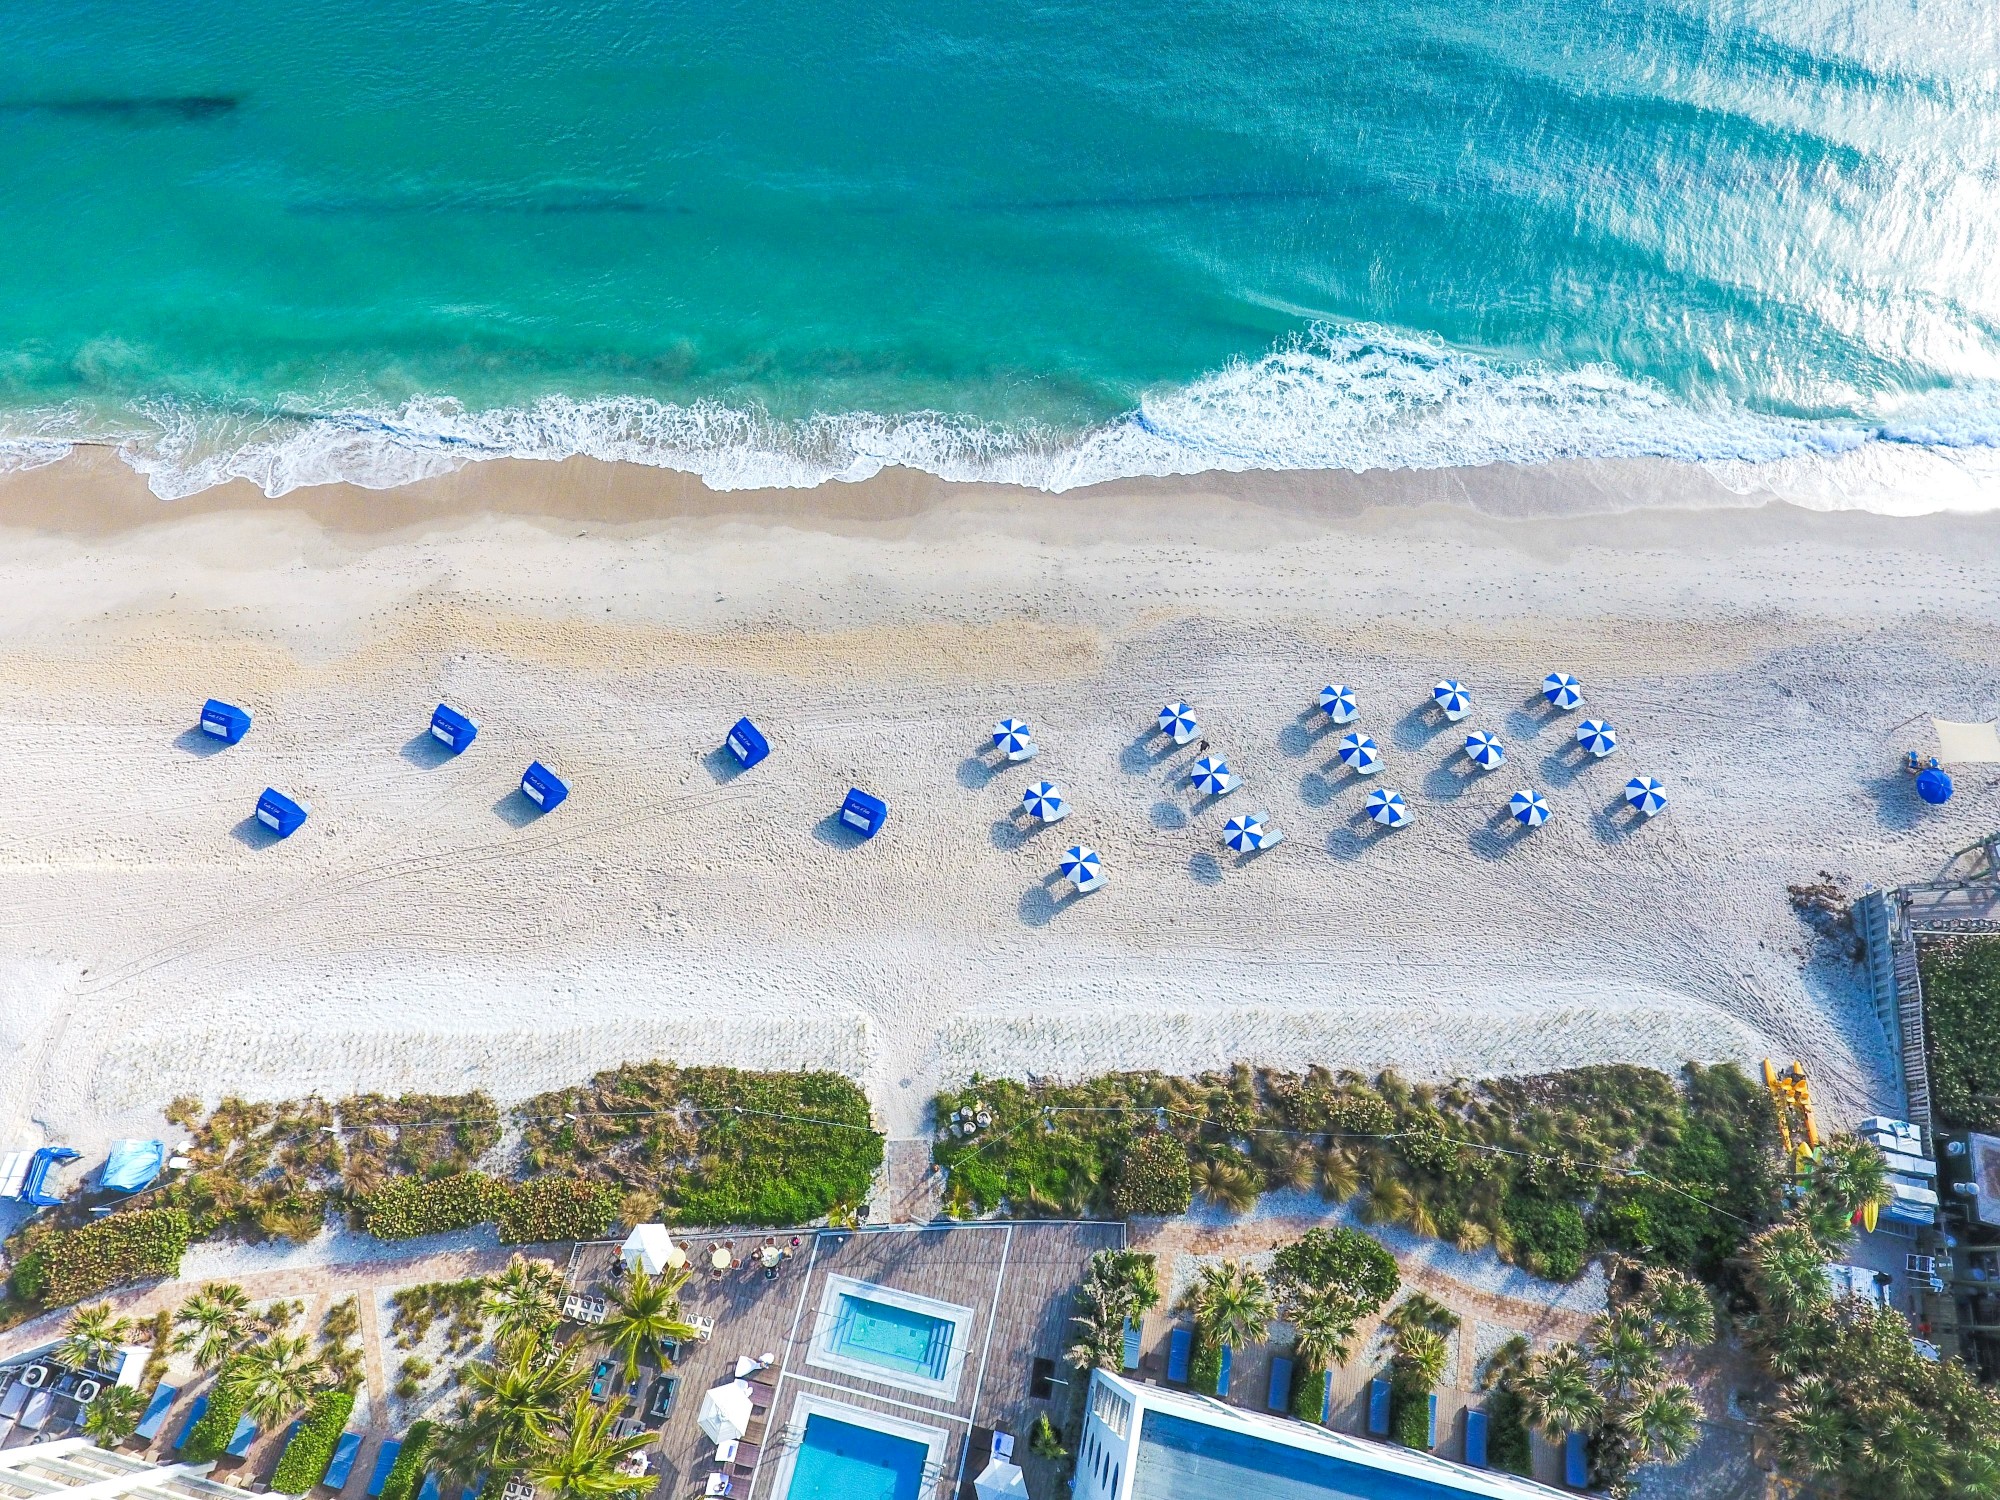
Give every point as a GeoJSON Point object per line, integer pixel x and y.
{"type": "Point", "coordinates": [1015, 1278]}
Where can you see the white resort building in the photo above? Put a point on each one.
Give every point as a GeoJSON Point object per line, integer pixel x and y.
{"type": "Point", "coordinates": [1144, 1442]}
{"type": "Point", "coordinates": [77, 1469]}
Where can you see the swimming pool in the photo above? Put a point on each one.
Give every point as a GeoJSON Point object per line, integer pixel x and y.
{"type": "Point", "coordinates": [891, 1336]}
{"type": "Point", "coordinates": [839, 1460]}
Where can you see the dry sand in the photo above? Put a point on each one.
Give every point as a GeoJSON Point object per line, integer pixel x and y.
{"type": "Point", "coordinates": [422, 932]}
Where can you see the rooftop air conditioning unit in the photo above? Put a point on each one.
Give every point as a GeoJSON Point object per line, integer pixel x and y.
{"type": "Point", "coordinates": [35, 1377]}
{"type": "Point", "coordinates": [85, 1392]}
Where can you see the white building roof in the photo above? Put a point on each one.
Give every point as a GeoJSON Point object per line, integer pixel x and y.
{"type": "Point", "coordinates": [77, 1469]}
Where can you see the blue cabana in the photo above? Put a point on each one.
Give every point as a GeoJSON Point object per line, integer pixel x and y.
{"type": "Point", "coordinates": [279, 813]}
{"type": "Point", "coordinates": [863, 813]}
{"type": "Point", "coordinates": [542, 786]}
{"type": "Point", "coordinates": [225, 721]}
{"type": "Point", "coordinates": [133, 1165]}
{"type": "Point", "coordinates": [747, 743]}
{"type": "Point", "coordinates": [155, 1415]}
{"type": "Point", "coordinates": [452, 728]}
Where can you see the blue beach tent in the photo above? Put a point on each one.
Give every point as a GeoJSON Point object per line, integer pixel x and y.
{"type": "Point", "coordinates": [132, 1165]}
{"type": "Point", "coordinates": [225, 721]}
{"type": "Point", "coordinates": [747, 743]}
{"type": "Point", "coordinates": [542, 786]}
{"type": "Point", "coordinates": [155, 1415]}
{"type": "Point", "coordinates": [279, 813]}
{"type": "Point", "coordinates": [863, 813]}
{"type": "Point", "coordinates": [452, 728]}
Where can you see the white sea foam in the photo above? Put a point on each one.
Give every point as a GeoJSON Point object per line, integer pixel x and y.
{"type": "Point", "coordinates": [1353, 401]}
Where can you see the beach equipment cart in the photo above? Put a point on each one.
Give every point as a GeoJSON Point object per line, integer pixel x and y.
{"type": "Point", "coordinates": [543, 787]}
{"type": "Point", "coordinates": [1388, 808]}
{"type": "Point", "coordinates": [452, 729]}
{"type": "Point", "coordinates": [1211, 777]}
{"type": "Point", "coordinates": [280, 813]}
{"type": "Point", "coordinates": [1646, 794]}
{"type": "Point", "coordinates": [1082, 868]}
{"type": "Point", "coordinates": [1597, 736]}
{"type": "Point", "coordinates": [863, 813]}
{"type": "Point", "coordinates": [1044, 800]}
{"type": "Point", "coordinates": [1562, 690]}
{"type": "Point", "coordinates": [1934, 786]}
{"type": "Point", "coordinates": [1528, 808]}
{"type": "Point", "coordinates": [1014, 739]}
{"type": "Point", "coordinates": [747, 743]}
{"type": "Point", "coordinates": [1454, 698]}
{"type": "Point", "coordinates": [1337, 702]}
{"type": "Point", "coordinates": [1485, 750]}
{"type": "Point", "coordinates": [1358, 754]}
{"type": "Point", "coordinates": [225, 721]}
{"type": "Point", "coordinates": [1178, 723]}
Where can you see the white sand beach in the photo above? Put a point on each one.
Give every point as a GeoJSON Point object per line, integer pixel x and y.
{"type": "Point", "coordinates": [422, 932]}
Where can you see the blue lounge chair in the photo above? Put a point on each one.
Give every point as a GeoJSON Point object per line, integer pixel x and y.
{"type": "Point", "coordinates": [384, 1462]}
{"type": "Point", "coordinates": [431, 1489]}
{"type": "Point", "coordinates": [1130, 1354]}
{"type": "Point", "coordinates": [1222, 1375]}
{"type": "Point", "coordinates": [241, 1439]}
{"type": "Point", "coordinates": [1326, 1396]}
{"type": "Point", "coordinates": [1179, 1348]}
{"type": "Point", "coordinates": [1378, 1408]}
{"type": "Point", "coordinates": [1279, 1397]}
{"type": "Point", "coordinates": [1475, 1439]}
{"type": "Point", "coordinates": [1431, 1431]}
{"type": "Point", "coordinates": [343, 1461]}
{"type": "Point", "coordinates": [195, 1414]}
{"type": "Point", "coordinates": [155, 1414]}
{"type": "Point", "coordinates": [1576, 1461]}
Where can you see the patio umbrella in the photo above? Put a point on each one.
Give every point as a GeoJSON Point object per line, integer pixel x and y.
{"type": "Point", "coordinates": [1000, 1480]}
{"type": "Point", "coordinates": [1080, 866]}
{"type": "Point", "coordinates": [725, 1412]}
{"type": "Point", "coordinates": [1211, 777]}
{"type": "Point", "coordinates": [1562, 690]}
{"type": "Point", "coordinates": [1597, 736]}
{"type": "Point", "coordinates": [1358, 754]}
{"type": "Point", "coordinates": [1646, 794]}
{"type": "Point", "coordinates": [1934, 786]}
{"type": "Point", "coordinates": [1178, 721]}
{"type": "Point", "coordinates": [1454, 698]}
{"type": "Point", "coordinates": [1484, 750]}
{"type": "Point", "coordinates": [1044, 800]}
{"type": "Point", "coordinates": [1337, 703]}
{"type": "Point", "coordinates": [1528, 808]}
{"type": "Point", "coordinates": [1012, 737]}
{"type": "Point", "coordinates": [1245, 834]}
{"type": "Point", "coordinates": [1386, 807]}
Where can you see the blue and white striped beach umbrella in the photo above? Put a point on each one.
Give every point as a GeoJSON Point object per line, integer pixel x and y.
{"type": "Point", "coordinates": [1454, 698]}
{"type": "Point", "coordinates": [1562, 690]}
{"type": "Point", "coordinates": [1012, 736]}
{"type": "Point", "coordinates": [1646, 794]}
{"type": "Point", "coordinates": [1528, 808]}
{"type": "Point", "coordinates": [1178, 721]}
{"type": "Point", "coordinates": [1082, 868]}
{"type": "Point", "coordinates": [1387, 808]}
{"type": "Point", "coordinates": [1484, 750]}
{"type": "Point", "coordinates": [1245, 834]}
{"type": "Point", "coordinates": [1044, 800]}
{"type": "Point", "coordinates": [1358, 754]}
{"type": "Point", "coordinates": [1211, 777]}
{"type": "Point", "coordinates": [1597, 736]}
{"type": "Point", "coordinates": [1336, 701]}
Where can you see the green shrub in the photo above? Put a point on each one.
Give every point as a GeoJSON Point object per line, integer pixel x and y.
{"type": "Point", "coordinates": [1409, 1414]}
{"type": "Point", "coordinates": [1549, 1235]}
{"type": "Point", "coordinates": [1343, 1260]}
{"type": "Point", "coordinates": [557, 1208]}
{"type": "Point", "coordinates": [1961, 984]}
{"type": "Point", "coordinates": [1205, 1365]}
{"type": "Point", "coordinates": [66, 1265]}
{"type": "Point", "coordinates": [1153, 1177]}
{"type": "Point", "coordinates": [303, 1463]}
{"type": "Point", "coordinates": [1508, 1444]}
{"type": "Point", "coordinates": [406, 1475]}
{"type": "Point", "coordinates": [218, 1424]}
{"type": "Point", "coordinates": [1308, 1393]}
{"type": "Point", "coordinates": [409, 1206]}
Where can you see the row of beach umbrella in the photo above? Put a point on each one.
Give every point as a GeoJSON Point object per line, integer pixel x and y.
{"type": "Point", "coordinates": [1080, 865]}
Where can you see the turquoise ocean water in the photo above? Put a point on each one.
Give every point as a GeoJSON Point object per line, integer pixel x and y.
{"type": "Point", "coordinates": [783, 241]}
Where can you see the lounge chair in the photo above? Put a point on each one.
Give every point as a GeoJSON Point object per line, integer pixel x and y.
{"type": "Point", "coordinates": [1475, 1439]}
{"type": "Point", "coordinates": [1279, 1396]}
{"type": "Point", "coordinates": [1179, 1348]}
{"type": "Point", "coordinates": [761, 1395]}
{"type": "Point", "coordinates": [718, 1484]}
{"type": "Point", "coordinates": [746, 1457]}
{"type": "Point", "coordinates": [342, 1465]}
{"type": "Point", "coordinates": [1130, 1354]}
{"type": "Point", "coordinates": [1378, 1407]}
{"type": "Point", "coordinates": [155, 1414]}
{"type": "Point", "coordinates": [1222, 1375]}
{"type": "Point", "coordinates": [241, 1439]}
{"type": "Point", "coordinates": [384, 1462]}
{"type": "Point", "coordinates": [1576, 1461]}
{"type": "Point", "coordinates": [195, 1414]}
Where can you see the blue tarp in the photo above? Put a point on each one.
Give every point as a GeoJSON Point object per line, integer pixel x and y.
{"type": "Point", "coordinates": [863, 813]}
{"type": "Point", "coordinates": [343, 1461]}
{"type": "Point", "coordinates": [542, 786]}
{"type": "Point", "coordinates": [155, 1414]}
{"type": "Point", "coordinates": [133, 1165]}
{"type": "Point", "coordinates": [747, 743]}
{"type": "Point", "coordinates": [225, 721]}
{"type": "Point", "coordinates": [279, 813]}
{"type": "Point", "coordinates": [452, 728]}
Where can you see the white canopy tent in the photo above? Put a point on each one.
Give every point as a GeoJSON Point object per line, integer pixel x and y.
{"type": "Point", "coordinates": [1967, 744]}
{"type": "Point", "coordinates": [651, 1249]}
{"type": "Point", "coordinates": [725, 1412]}
{"type": "Point", "coordinates": [1000, 1480]}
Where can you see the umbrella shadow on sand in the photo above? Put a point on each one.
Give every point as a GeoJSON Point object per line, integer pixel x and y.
{"type": "Point", "coordinates": [1041, 904]}
{"type": "Point", "coordinates": [1532, 715]}
{"type": "Point", "coordinates": [1499, 836]}
{"type": "Point", "coordinates": [1146, 752]}
{"type": "Point", "coordinates": [1420, 725]}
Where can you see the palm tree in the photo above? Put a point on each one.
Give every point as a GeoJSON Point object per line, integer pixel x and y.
{"type": "Point", "coordinates": [1848, 1174]}
{"type": "Point", "coordinates": [93, 1337]}
{"type": "Point", "coordinates": [526, 1298]}
{"type": "Point", "coordinates": [586, 1462]}
{"type": "Point", "coordinates": [1131, 1279]}
{"type": "Point", "coordinates": [1621, 1342]}
{"type": "Point", "coordinates": [1680, 1308]}
{"type": "Point", "coordinates": [211, 1322]}
{"type": "Point", "coordinates": [513, 1404]}
{"type": "Point", "coordinates": [1232, 1306]}
{"type": "Point", "coordinates": [113, 1416]}
{"type": "Point", "coordinates": [1339, 1177]}
{"type": "Point", "coordinates": [644, 1313]}
{"type": "Point", "coordinates": [1228, 1184]}
{"type": "Point", "coordinates": [1421, 1355]}
{"type": "Point", "coordinates": [1906, 1456]}
{"type": "Point", "coordinates": [1100, 1341]}
{"type": "Point", "coordinates": [276, 1377]}
{"type": "Point", "coordinates": [1787, 1273]}
{"type": "Point", "coordinates": [1664, 1424]}
{"type": "Point", "coordinates": [1323, 1323]}
{"type": "Point", "coordinates": [1559, 1394]}
{"type": "Point", "coordinates": [1814, 1433]}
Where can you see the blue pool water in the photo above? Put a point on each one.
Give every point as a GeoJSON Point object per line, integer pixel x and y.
{"type": "Point", "coordinates": [1183, 1460]}
{"type": "Point", "coordinates": [840, 1461]}
{"type": "Point", "coordinates": [896, 1338]}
